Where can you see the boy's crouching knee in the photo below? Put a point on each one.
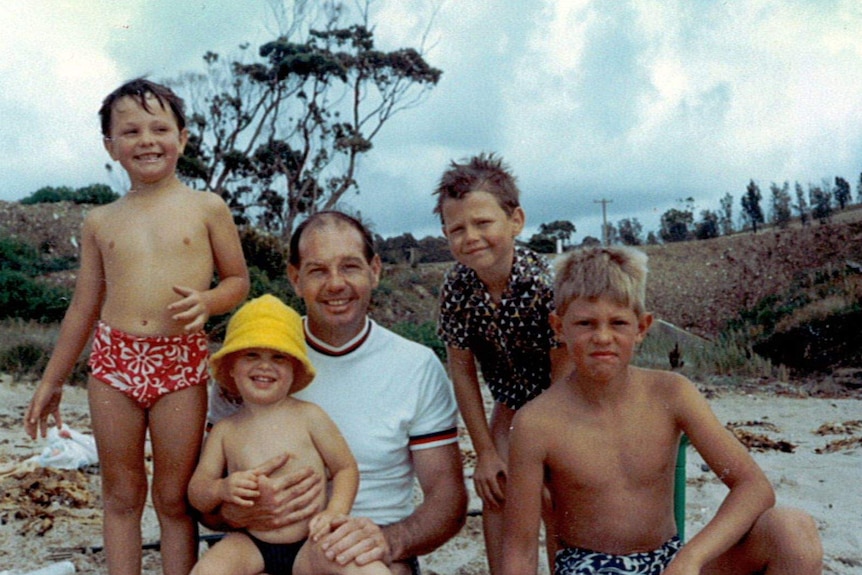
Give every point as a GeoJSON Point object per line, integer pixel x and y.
{"type": "Point", "coordinates": [794, 536]}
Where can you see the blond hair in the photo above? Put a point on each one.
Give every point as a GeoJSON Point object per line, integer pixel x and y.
{"type": "Point", "coordinates": [617, 273]}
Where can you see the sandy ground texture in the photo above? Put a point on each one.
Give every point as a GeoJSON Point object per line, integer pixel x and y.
{"type": "Point", "coordinates": [810, 448]}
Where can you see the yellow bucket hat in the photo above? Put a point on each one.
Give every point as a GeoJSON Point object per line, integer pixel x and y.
{"type": "Point", "coordinates": [268, 323]}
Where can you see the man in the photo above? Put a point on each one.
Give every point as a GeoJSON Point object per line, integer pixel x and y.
{"type": "Point", "coordinates": [389, 397]}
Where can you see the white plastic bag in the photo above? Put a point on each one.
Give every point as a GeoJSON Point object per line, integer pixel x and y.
{"type": "Point", "coordinates": [68, 449]}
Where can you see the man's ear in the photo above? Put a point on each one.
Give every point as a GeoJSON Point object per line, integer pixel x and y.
{"type": "Point", "coordinates": [293, 278]}
{"type": "Point", "coordinates": [376, 270]}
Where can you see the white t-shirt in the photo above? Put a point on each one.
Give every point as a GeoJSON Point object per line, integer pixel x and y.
{"type": "Point", "coordinates": [388, 396]}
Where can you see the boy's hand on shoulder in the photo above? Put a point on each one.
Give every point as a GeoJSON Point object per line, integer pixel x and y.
{"type": "Point", "coordinates": [193, 310]}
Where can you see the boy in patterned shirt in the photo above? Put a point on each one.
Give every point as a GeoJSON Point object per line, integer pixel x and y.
{"type": "Point", "coordinates": [494, 310]}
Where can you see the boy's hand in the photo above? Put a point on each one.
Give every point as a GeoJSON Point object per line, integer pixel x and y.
{"type": "Point", "coordinates": [321, 524]}
{"type": "Point", "coordinates": [240, 488]}
{"type": "Point", "coordinates": [45, 402]}
{"type": "Point", "coordinates": [489, 478]}
{"type": "Point", "coordinates": [192, 310]}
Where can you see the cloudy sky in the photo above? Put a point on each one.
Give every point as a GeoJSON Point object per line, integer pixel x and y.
{"type": "Point", "coordinates": [639, 102]}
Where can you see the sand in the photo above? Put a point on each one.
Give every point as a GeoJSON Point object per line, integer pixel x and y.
{"type": "Point", "coordinates": [823, 480]}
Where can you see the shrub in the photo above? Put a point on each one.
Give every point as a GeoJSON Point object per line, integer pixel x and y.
{"type": "Point", "coordinates": [424, 333]}
{"type": "Point", "coordinates": [25, 348]}
{"type": "Point", "coordinates": [97, 194]}
{"type": "Point", "coordinates": [26, 298]}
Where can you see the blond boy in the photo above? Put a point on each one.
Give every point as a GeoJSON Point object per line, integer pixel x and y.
{"type": "Point", "coordinates": [604, 440]}
{"type": "Point", "coordinates": [264, 361]}
{"type": "Point", "coordinates": [147, 267]}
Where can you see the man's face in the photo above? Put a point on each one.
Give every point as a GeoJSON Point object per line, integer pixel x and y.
{"type": "Point", "coordinates": [335, 280]}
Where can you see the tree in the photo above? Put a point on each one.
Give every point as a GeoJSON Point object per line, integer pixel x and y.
{"type": "Point", "coordinates": [751, 210]}
{"type": "Point", "coordinates": [859, 189]}
{"type": "Point", "coordinates": [707, 228]}
{"type": "Point", "coordinates": [630, 231]}
{"type": "Point", "coordinates": [842, 192]}
{"type": "Point", "coordinates": [281, 136]}
{"type": "Point", "coordinates": [821, 203]}
{"type": "Point", "coordinates": [780, 203]}
{"type": "Point", "coordinates": [545, 241]}
{"type": "Point", "coordinates": [801, 205]}
{"type": "Point", "coordinates": [676, 224]}
{"type": "Point", "coordinates": [725, 218]}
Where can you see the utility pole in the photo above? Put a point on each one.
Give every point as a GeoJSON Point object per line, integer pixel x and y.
{"type": "Point", "coordinates": [604, 203]}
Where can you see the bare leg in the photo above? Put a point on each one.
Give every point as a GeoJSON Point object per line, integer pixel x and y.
{"type": "Point", "coordinates": [312, 561]}
{"type": "Point", "coordinates": [176, 430]}
{"type": "Point", "coordinates": [783, 541]}
{"type": "Point", "coordinates": [119, 426]}
{"type": "Point", "coordinates": [236, 554]}
{"type": "Point", "coordinates": [492, 519]}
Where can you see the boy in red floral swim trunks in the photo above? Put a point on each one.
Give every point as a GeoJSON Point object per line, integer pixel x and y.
{"type": "Point", "coordinates": [147, 264]}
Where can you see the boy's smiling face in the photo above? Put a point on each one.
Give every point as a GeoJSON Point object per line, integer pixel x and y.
{"type": "Point", "coordinates": [600, 336]}
{"type": "Point", "coordinates": [481, 234]}
{"type": "Point", "coordinates": [147, 144]}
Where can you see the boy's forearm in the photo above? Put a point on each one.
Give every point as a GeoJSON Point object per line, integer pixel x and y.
{"type": "Point", "coordinates": [735, 517]}
{"type": "Point", "coordinates": [205, 495]}
{"type": "Point", "coordinates": [227, 294]}
{"type": "Point", "coordinates": [345, 484]}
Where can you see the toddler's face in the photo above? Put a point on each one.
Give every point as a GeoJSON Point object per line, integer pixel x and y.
{"type": "Point", "coordinates": [481, 234]}
{"type": "Point", "coordinates": [263, 375]}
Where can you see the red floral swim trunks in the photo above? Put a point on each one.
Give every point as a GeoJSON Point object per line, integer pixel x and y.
{"type": "Point", "coordinates": [146, 368]}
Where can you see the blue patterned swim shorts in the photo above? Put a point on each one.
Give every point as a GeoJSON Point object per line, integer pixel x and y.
{"type": "Point", "coordinates": [576, 561]}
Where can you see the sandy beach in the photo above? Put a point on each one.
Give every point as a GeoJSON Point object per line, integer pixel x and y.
{"type": "Point", "coordinates": [811, 449]}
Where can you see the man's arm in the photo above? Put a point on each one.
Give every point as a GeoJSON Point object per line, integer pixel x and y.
{"type": "Point", "coordinates": [439, 517]}
{"type": "Point", "coordinates": [444, 507]}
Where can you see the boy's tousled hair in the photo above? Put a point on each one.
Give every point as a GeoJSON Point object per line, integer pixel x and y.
{"type": "Point", "coordinates": [482, 173]}
{"type": "Point", "coordinates": [139, 89]}
{"type": "Point", "coordinates": [618, 273]}
{"type": "Point", "coordinates": [330, 218]}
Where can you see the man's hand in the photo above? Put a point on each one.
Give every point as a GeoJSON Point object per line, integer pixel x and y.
{"type": "Point", "coordinates": [286, 500]}
{"type": "Point", "coordinates": [355, 539]}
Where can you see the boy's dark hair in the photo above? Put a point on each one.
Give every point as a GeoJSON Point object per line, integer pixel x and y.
{"type": "Point", "coordinates": [138, 89]}
{"type": "Point", "coordinates": [482, 173]}
{"type": "Point", "coordinates": [329, 218]}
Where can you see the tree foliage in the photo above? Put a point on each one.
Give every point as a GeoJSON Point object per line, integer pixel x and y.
{"type": "Point", "coordinates": [725, 217]}
{"type": "Point", "coordinates": [801, 205]}
{"type": "Point", "coordinates": [842, 192]}
{"type": "Point", "coordinates": [781, 204]}
{"type": "Point", "coordinates": [676, 223]}
{"type": "Point", "coordinates": [97, 194]}
{"type": "Point", "coordinates": [545, 240]}
{"type": "Point", "coordinates": [707, 227]}
{"type": "Point", "coordinates": [751, 210]}
{"type": "Point", "coordinates": [821, 203]}
{"type": "Point", "coordinates": [630, 231]}
{"type": "Point", "coordinates": [280, 136]}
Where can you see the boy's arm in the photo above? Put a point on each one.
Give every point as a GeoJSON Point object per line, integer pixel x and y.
{"type": "Point", "coordinates": [75, 330]}
{"type": "Point", "coordinates": [204, 489]}
{"type": "Point", "coordinates": [339, 460]}
{"type": "Point", "coordinates": [750, 491]}
{"type": "Point", "coordinates": [522, 513]}
{"type": "Point", "coordinates": [489, 465]}
{"type": "Point", "coordinates": [197, 307]}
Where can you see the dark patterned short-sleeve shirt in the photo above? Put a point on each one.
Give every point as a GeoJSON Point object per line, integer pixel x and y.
{"type": "Point", "coordinates": [511, 339]}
